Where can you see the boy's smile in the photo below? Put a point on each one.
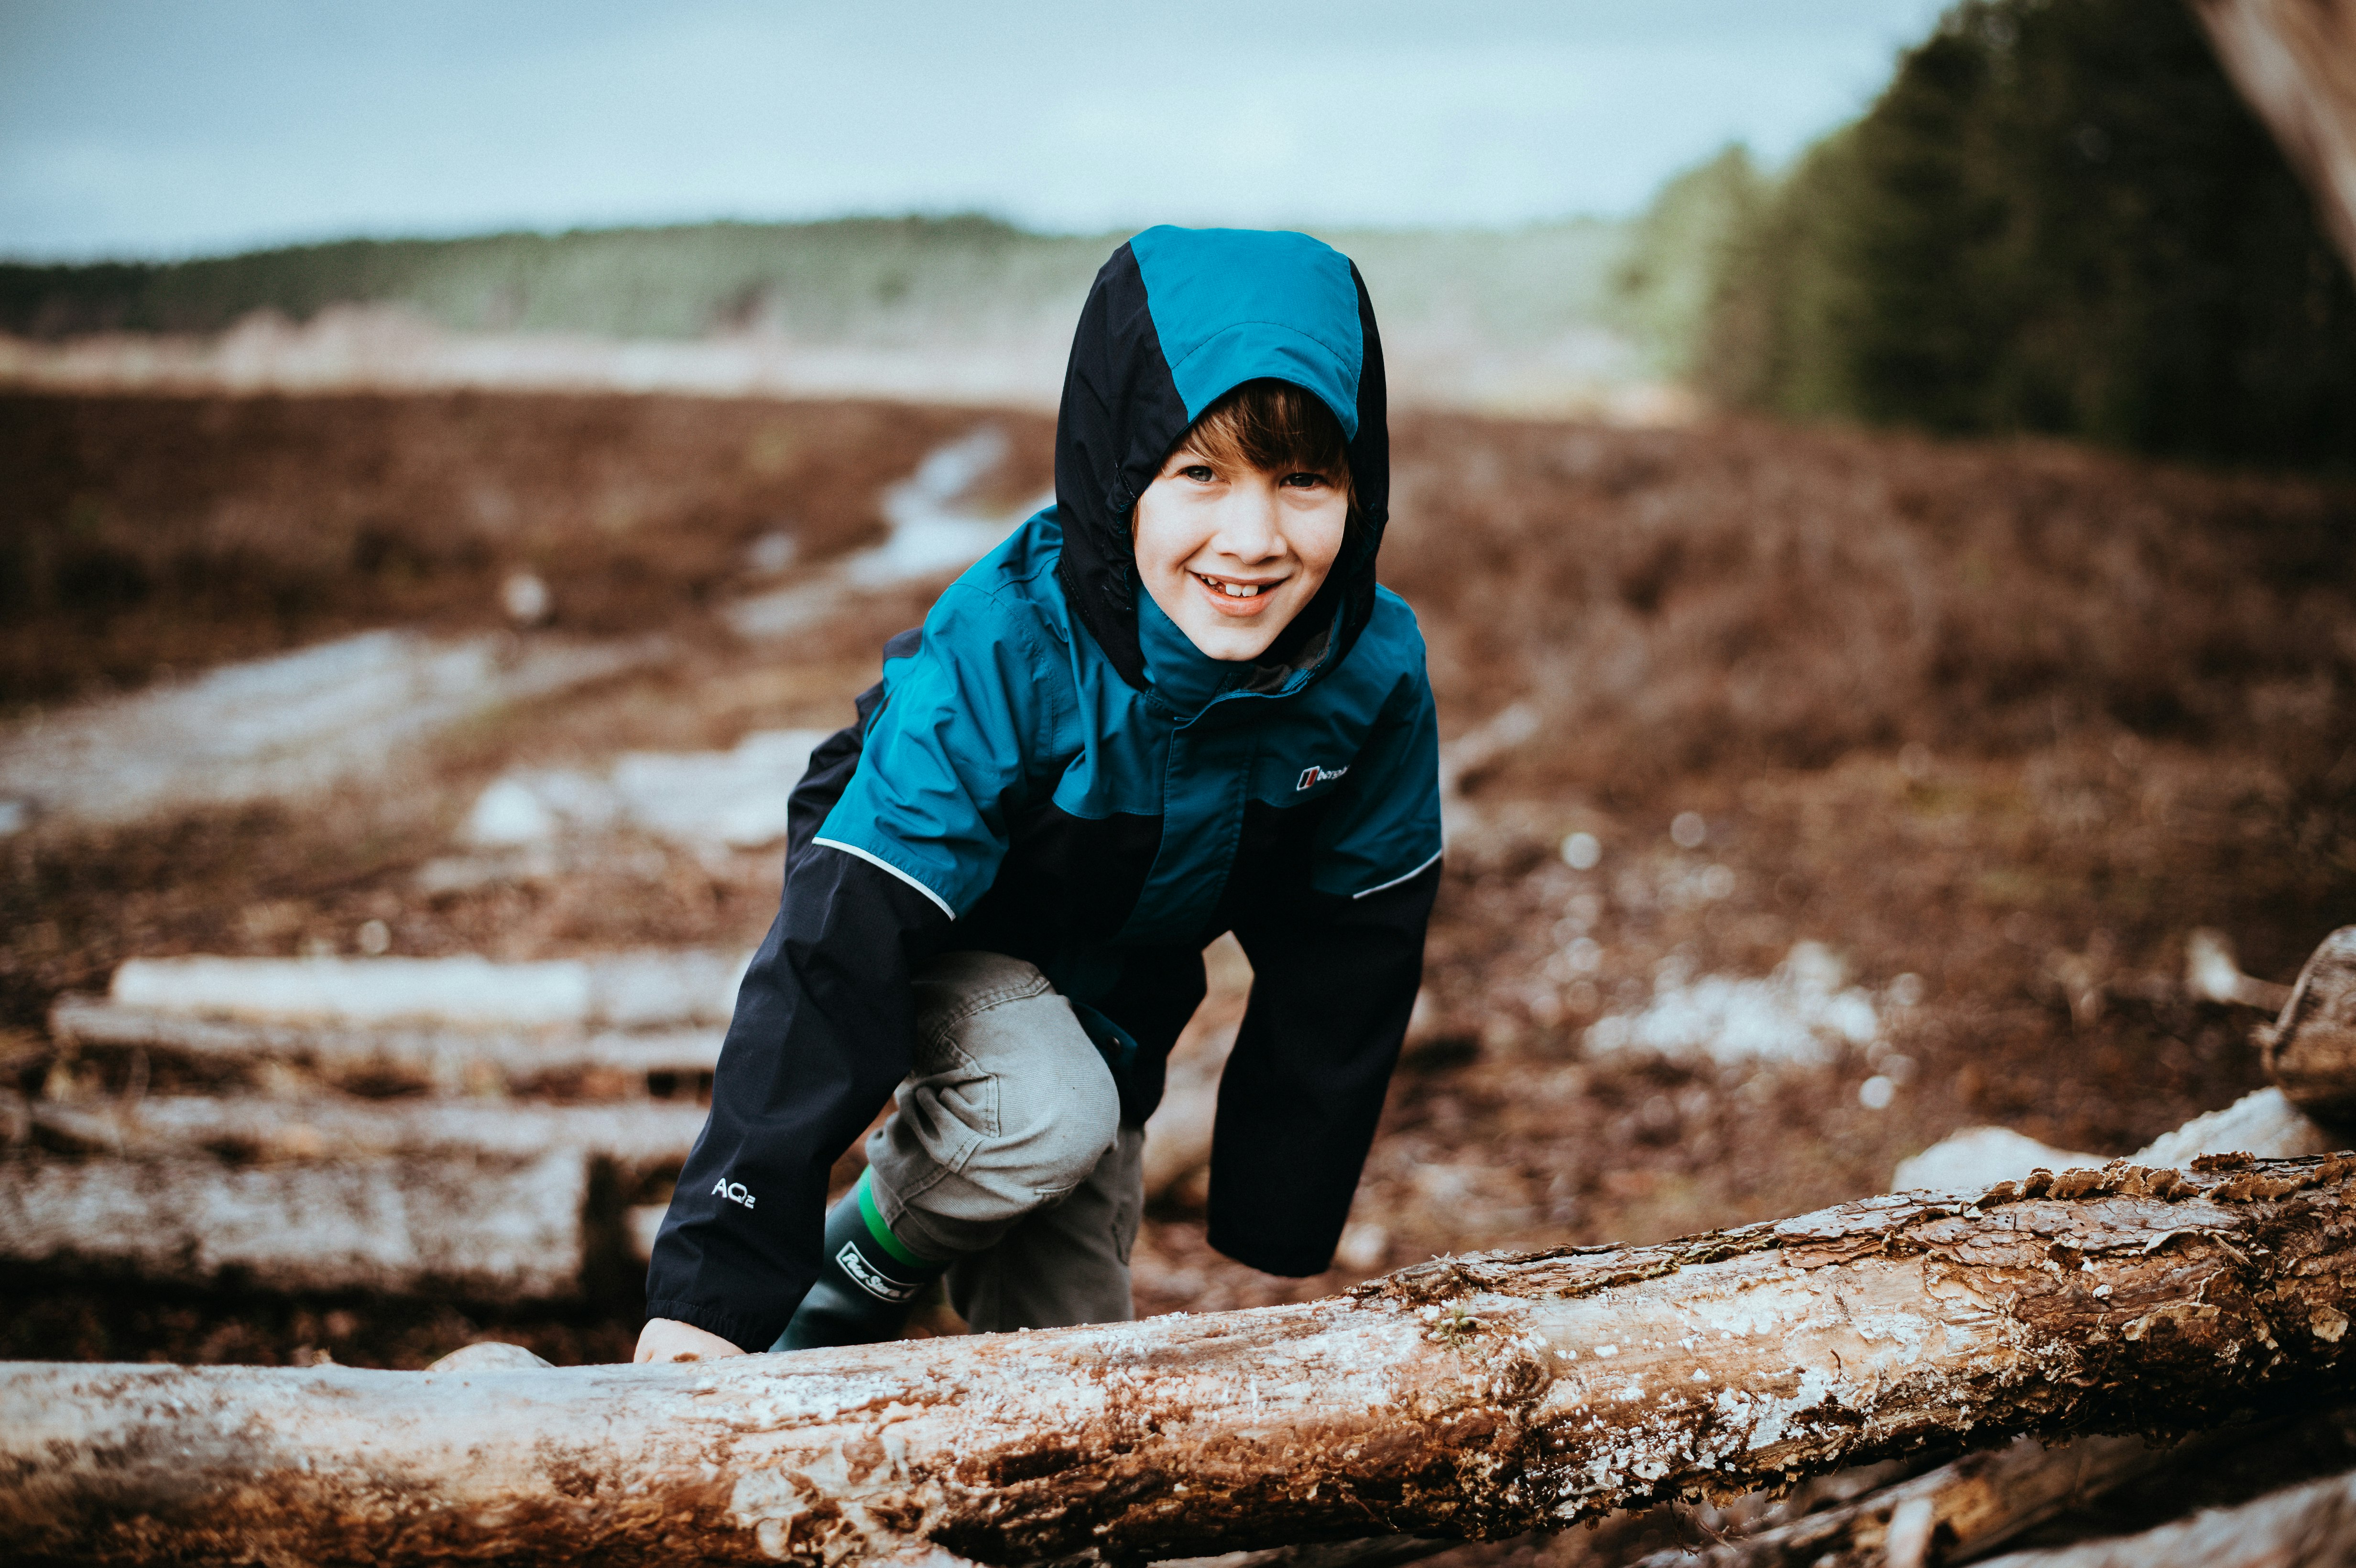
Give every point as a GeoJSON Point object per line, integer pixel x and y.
{"type": "Point", "coordinates": [1232, 554]}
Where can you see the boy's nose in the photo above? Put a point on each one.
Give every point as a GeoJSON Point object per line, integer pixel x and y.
{"type": "Point", "coordinates": [1247, 527]}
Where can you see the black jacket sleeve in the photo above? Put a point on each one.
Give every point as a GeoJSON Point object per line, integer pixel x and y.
{"type": "Point", "coordinates": [822, 1033]}
{"type": "Point", "coordinates": [1333, 982]}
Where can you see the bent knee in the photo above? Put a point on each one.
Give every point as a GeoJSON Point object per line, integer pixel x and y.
{"type": "Point", "coordinates": [1050, 1109]}
{"type": "Point", "coordinates": [1065, 1122]}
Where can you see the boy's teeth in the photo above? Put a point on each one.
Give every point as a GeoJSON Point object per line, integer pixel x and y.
{"type": "Point", "coordinates": [1237, 590]}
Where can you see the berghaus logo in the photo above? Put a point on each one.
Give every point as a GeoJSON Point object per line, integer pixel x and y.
{"type": "Point", "coordinates": [734, 1191]}
{"type": "Point", "coordinates": [1311, 777]}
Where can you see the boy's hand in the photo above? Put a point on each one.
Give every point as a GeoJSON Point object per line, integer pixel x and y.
{"type": "Point", "coordinates": [668, 1339]}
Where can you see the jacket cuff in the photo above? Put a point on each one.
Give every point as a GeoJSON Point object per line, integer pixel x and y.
{"type": "Point", "coordinates": [748, 1332]}
{"type": "Point", "coordinates": [1291, 1264]}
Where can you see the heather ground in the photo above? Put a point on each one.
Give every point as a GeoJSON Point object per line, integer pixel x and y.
{"type": "Point", "coordinates": [1992, 725]}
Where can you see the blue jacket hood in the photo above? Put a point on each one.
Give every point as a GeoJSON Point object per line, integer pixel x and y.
{"type": "Point", "coordinates": [1176, 319]}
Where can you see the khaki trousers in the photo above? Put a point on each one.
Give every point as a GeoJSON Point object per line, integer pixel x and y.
{"type": "Point", "coordinates": [1005, 1151]}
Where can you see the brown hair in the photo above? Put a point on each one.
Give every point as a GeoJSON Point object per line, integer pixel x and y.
{"type": "Point", "coordinates": [1275, 427]}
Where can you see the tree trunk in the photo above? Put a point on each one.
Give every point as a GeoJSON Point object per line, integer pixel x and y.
{"type": "Point", "coordinates": [1467, 1397]}
{"type": "Point", "coordinates": [2295, 63]}
{"type": "Point", "coordinates": [2313, 1526]}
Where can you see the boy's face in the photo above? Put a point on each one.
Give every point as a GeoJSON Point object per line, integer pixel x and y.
{"type": "Point", "coordinates": [1233, 553]}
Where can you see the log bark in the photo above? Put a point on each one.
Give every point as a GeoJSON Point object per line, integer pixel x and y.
{"type": "Point", "coordinates": [1468, 1397]}
{"type": "Point", "coordinates": [2295, 63]}
{"type": "Point", "coordinates": [2311, 1052]}
{"type": "Point", "coordinates": [450, 1061]}
{"type": "Point", "coordinates": [2313, 1526]}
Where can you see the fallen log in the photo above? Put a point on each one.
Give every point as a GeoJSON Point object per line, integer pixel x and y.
{"type": "Point", "coordinates": [483, 1227]}
{"type": "Point", "coordinates": [640, 1134]}
{"type": "Point", "coordinates": [2310, 1051]}
{"type": "Point", "coordinates": [449, 1061]}
{"type": "Point", "coordinates": [1468, 1397]}
{"type": "Point", "coordinates": [480, 1199]}
{"type": "Point", "coordinates": [2313, 1526]}
{"type": "Point", "coordinates": [1984, 1500]}
{"type": "Point", "coordinates": [623, 989]}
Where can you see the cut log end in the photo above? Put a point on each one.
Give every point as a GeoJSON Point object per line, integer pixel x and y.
{"type": "Point", "coordinates": [2311, 1052]}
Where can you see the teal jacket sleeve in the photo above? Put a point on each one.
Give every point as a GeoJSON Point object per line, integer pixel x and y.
{"type": "Point", "coordinates": [948, 755]}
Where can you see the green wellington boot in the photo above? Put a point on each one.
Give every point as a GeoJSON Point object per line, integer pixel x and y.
{"type": "Point", "coordinates": [867, 1281]}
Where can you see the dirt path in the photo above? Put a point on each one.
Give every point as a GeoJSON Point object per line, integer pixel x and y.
{"type": "Point", "coordinates": [288, 727]}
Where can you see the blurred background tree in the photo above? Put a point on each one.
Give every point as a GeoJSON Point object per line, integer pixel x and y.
{"type": "Point", "coordinates": [2058, 217]}
{"type": "Point", "coordinates": [1676, 250]}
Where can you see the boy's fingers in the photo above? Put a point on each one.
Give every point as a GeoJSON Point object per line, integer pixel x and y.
{"type": "Point", "coordinates": [663, 1339]}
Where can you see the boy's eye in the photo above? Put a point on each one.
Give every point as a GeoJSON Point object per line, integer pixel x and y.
{"type": "Point", "coordinates": [1200, 473]}
{"type": "Point", "coordinates": [1303, 481]}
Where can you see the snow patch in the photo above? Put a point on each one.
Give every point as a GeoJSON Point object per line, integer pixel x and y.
{"type": "Point", "coordinates": [283, 726]}
{"type": "Point", "coordinates": [1803, 1015]}
{"type": "Point", "coordinates": [736, 798]}
{"type": "Point", "coordinates": [1976, 1159]}
{"type": "Point", "coordinates": [935, 532]}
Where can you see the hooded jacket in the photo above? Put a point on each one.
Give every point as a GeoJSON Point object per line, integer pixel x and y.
{"type": "Point", "coordinates": [1049, 769]}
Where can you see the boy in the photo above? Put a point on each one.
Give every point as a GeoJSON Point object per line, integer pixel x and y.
{"type": "Point", "coordinates": [1000, 880]}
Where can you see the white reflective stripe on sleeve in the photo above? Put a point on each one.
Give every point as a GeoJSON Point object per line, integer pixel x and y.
{"type": "Point", "coordinates": [1395, 881]}
{"type": "Point", "coordinates": [880, 864]}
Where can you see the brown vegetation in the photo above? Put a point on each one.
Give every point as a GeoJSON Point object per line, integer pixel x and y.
{"type": "Point", "coordinates": [2007, 718]}
{"type": "Point", "coordinates": [141, 534]}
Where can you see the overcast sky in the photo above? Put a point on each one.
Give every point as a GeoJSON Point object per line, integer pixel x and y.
{"type": "Point", "coordinates": [172, 127]}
